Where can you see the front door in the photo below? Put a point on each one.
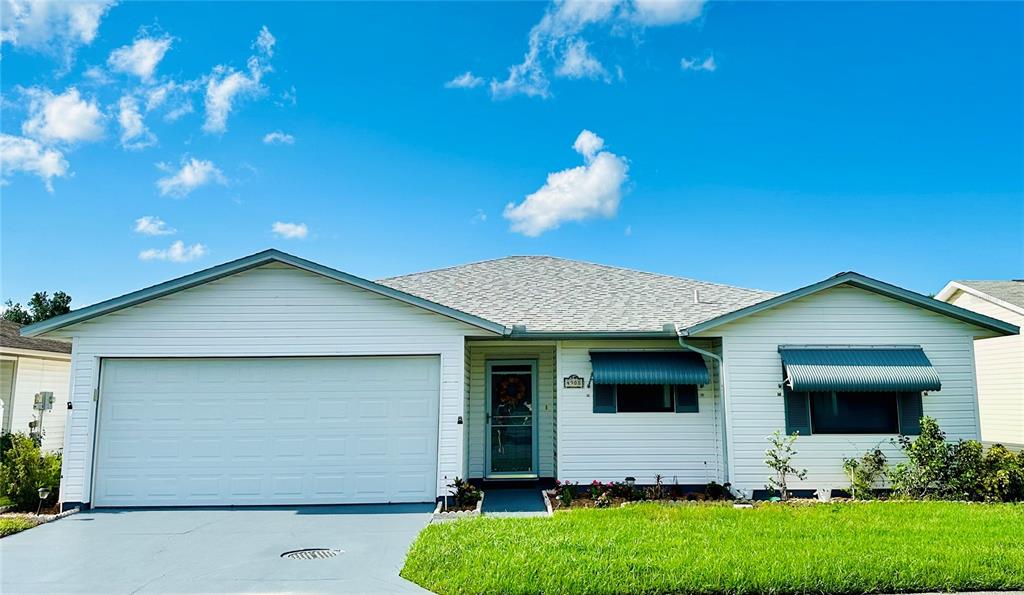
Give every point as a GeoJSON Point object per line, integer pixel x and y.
{"type": "Point", "coordinates": [511, 423]}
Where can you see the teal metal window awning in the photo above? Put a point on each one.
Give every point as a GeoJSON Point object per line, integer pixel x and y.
{"type": "Point", "coordinates": [871, 368]}
{"type": "Point", "coordinates": [648, 367]}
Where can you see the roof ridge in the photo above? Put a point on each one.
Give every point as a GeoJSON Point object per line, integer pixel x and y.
{"type": "Point", "coordinates": [579, 261]}
{"type": "Point", "coordinates": [465, 264]}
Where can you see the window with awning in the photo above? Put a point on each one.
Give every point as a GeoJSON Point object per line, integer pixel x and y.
{"type": "Point", "coordinates": [647, 381]}
{"type": "Point", "coordinates": [855, 390]}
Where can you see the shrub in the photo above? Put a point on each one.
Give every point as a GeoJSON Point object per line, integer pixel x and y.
{"type": "Point", "coordinates": [25, 468]}
{"type": "Point", "coordinates": [924, 472]}
{"type": "Point", "coordinates": [1003, 477]}
{"type": "Point", "coordinates": [957, 471]}
{"type": "Point", "coordinates": [464, 493]}
{"type": "Point", "coordinates": [565, 492]}
{"type": "Point", "coordinates": [780, 460]}
{"type": "Point", "coordinates": [656, 491]}
{"type": "Point", "coordinates": [865, 473]}
{"type": "Point", "coordinates": [716, 491]}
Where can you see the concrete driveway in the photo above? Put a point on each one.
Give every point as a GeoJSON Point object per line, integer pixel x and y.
{"type": "Point", "coordinates": [215, 550]}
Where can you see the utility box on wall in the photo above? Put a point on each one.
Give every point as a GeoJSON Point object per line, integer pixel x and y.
{"type": "Point", "coordinates": [44, 401]}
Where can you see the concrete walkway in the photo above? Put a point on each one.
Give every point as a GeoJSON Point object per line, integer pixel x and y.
{"type": "Point", "coordinates": [517, 502]}
{"type": "Point", "coordinates": [221, 550]}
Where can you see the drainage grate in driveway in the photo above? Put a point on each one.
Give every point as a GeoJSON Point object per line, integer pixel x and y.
{"type": "Point", "coordinates": [311, 554]}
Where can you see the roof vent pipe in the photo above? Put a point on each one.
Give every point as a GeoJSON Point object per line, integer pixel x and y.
{"type": "Point", "coordinates": [696, 296]}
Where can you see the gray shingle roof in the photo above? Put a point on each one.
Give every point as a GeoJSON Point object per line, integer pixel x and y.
{"type": "Point", "coordinates": [1008, 291]}
{"type": "Point", "coordinates": [10, 336]}
{"type": "Point", "coordinates": [558, 295]}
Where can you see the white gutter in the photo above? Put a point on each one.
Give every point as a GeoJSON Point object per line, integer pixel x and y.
{"type": "Point", "coordinates": [721, 378]}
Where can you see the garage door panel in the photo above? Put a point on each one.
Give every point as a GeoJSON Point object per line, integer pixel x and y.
{"type": "Point", "coordinates": [315, 431]}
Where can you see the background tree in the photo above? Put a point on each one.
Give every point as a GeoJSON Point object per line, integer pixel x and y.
{"type": "Point", "coordinates": [42, 306]}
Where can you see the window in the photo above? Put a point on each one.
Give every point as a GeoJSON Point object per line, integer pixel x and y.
{"type": "Point", "coordinates": [854, 413]}
{"type": "Point", "coordinates": [645, 398]}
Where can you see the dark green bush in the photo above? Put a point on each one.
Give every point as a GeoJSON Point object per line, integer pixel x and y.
{"type": "Point", "coordinates": [25, 468]}
{"type": "Point", "coordinates": [465, 493]}
{"type": "Point", "coordinates": [964, 470]}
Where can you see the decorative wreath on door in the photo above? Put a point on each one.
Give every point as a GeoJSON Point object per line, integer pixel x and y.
{"type": "Point", "coordinates": [511, 393]}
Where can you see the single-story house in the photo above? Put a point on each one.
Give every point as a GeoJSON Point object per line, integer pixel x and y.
{"type": "Point", "coordinates": [275, 380]}
{"type": "Point", "coordinates": [31, 367]}
{"type": "Point", "coordinates": [999, 360]}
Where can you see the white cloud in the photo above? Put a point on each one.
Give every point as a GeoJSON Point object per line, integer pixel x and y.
{"type": "Point", "coordinates": [290, 231]}
{"type": "Point", "coordinates": [264, 43]}
{"type": "Point", "coordinates": [591, 190]}
{"type": "Point", "coordinates": [134, 133]}
{"type": "Point", "coordinates": [225, 85]}
{"type": "Point", "coordinates": [696, 64]}
{"type": "Point", "coordinates": [579, 63]}
{"type": "Point", "coordinates": [55, 28]}
{"type": "Point", "coordinates": [466, 80]}
{"type": "Point", "coordinates": [666, 12]}
{"type": "Point", "coordinates": [193, 174]}
{"type": "Point", "coordinates": [141, 57]}
{"type": "Point", "coordinates": [153, 226]}
{"type": "Point", "coordinates": [176, 252]}
{"type": "Point", "coordinates": [479, 217]}
{"type": "Point", "coordinates": [588, 144]}
{"type": "Point", "coordinates": [278, 138]}
{"type": "Point", "coordinates": [559, 36]}
{"type": "Point", "coordinates": [172, 94]}
{"type": "Point", "coordinates": [19, 154]}
{"type": "Point", "coordinates": [62, 118]}
{"type": "Point", "coordinates": [526, 78]}
{"type": "Point", "coordinates": [628, 231]}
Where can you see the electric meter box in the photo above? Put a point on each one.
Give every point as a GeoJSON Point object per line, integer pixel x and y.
{"type": "Point", "coordinates": [44, 401]}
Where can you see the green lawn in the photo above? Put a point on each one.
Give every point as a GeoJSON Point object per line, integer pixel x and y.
{"type": "Point", "coordinates": [650, 548]}
{"type": "Point", "coordinates": [12, 525]}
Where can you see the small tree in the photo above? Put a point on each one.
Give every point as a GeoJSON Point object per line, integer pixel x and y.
{"type": "Point", "coordinates": [42, 305]}
{"type": "Point", "coordinates": [865, 473]}
{"type": "Point", "coordinates": [779, 457]}
{"type": "Point", "coordinates": [926, 470]}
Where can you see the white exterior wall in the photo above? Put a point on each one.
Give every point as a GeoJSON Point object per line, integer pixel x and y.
{"type": "Point", "coordinates": [1000, 363]}
{"type": "Point", "coordinates": [273, 310]}
{"type": "Point", "coordinates": [684, 448]}
{"type": "Point", "coordinates": [478, 354]}
{"type": "Point", "coordinates": [839, 316]}
{"type": "Point", "coordinates": [33, 375]}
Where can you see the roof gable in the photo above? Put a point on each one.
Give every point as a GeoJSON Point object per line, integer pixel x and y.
{"type": "Point", "coordinates": [868, 284]}
{"type": "Point", "coordinates": [241, 265]}
{"type": "Point", "coordinates": [1006, 294]}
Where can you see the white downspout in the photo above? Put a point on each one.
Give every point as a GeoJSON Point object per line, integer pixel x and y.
{"type": "Point", "coordinates": [721, 379]}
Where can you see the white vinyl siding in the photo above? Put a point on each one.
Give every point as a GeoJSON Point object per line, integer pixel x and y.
{"type": "Point", "coordinates": [478, 354]}
{"type": "Point", "coordinates": [683, 448]}
{"type": "Point", "coordinates": [840, 316]}
{"type": "Point", "coordinates": [273, 310]}
{"type": "Point", "coordinates": [33, 375]}
{"type": "Point", "coordinates": [1000, 363]}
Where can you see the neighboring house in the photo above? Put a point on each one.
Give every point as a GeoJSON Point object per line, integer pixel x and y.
{"type": "Point", "coordinates": [275, 380]}
{"type": "Point", "coordinates": [29, 367]}
{"type": "Point", "coordinates": [999, 360]}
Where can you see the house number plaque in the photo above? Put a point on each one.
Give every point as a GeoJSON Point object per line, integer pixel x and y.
{"type": "Point", "coordinates": [572, 381]}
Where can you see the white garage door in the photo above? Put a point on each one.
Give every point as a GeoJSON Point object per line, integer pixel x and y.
{"type": "Point", "coordinates": [195, 432]}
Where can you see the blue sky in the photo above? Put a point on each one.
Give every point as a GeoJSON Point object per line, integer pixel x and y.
{"type": "Point", "coordinates": [757, 144]}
